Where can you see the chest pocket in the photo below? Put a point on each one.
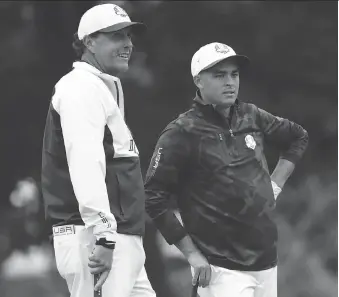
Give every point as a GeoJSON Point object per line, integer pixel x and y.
{"type": "Point", "coordinates": [213, 153]}
{"type": "Point", "coordinates": [247, 145]}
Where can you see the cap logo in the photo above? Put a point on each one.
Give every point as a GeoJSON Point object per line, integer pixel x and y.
{"type": "Point", "coordinates": [221, 48]}
{"type": "Point", "coordinates": [119, 11]}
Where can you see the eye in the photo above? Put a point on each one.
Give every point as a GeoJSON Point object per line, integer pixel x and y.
{"type": "Point", "coordinates": [119, 36]}
{"type": "Point", "coordinates": [220, 75]}
{"type": "Point", "coordinates": [235, 74]}
{"type": "Point", "coordinates": [130, 36]}
{"type": "Point", "coordinates": [115, 35]}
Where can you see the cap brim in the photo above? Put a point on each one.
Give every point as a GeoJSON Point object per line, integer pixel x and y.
{"type": "Point", "coordinates": [241, 60]}
{"type": "Point", "coordinates": [137, 28]}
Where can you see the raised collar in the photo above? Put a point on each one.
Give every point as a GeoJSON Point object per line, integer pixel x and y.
{"type": "Point", "coordinates": [198, 99]}
{"type": "Point", "coordinates": [90, 68]}
{"type": "Point", "coordinates": [113, 83]}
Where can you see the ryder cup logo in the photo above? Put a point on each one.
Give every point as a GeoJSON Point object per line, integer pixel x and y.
{"type": "Point", "coordinates": [250, 142]}
{"type": "Point", "coordinates": [119, 11]}
{"type": "Point", "coordinates": [221, 48]}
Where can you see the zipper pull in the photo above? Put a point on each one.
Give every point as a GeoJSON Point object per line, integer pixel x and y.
{"type": "Point", "coordinates": [220, 136]}
{"type": "Point", "coordinates": [231, 132]}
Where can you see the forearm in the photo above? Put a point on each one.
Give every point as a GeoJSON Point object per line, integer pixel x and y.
{"type": "Point", "coordinates": [289, 137]}
{"type": "Point", "coordinates": [169, 226]}
{"type": "Point", "coordinates": [87, 172]}
{"type": "Point", "coordinates": [87, 168]}
{"type": "Point", "coordinates": [186, 246]}
{"type": "Point", "coordinates": [282, 172]}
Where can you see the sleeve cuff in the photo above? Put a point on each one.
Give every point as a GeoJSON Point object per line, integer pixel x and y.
{"type": "Point", "coordinates": [290, 157]}
{"type": "Point", "coordinates": [170, 227]}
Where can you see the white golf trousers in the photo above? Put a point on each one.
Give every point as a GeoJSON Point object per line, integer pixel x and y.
{"type": "Point", "coordinates": [234, 283]}
{"type": "Point", "coordinates": [127, 278]}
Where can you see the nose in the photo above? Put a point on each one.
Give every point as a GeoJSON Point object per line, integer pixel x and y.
{"type": "Point", "coordinates": [128, 41]}
{"type": "Point", "coordinates": [229, 80]}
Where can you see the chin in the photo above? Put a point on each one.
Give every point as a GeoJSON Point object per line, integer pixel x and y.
{"type": "Point", "coordinates": [123, 68]}
{"type": "Point", "coordinates": [227, 101]}
{"type": "Point", "coordinates": [118, 69]}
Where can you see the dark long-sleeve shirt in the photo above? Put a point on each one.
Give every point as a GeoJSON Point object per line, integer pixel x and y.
{"type": "Point", "coordinates": [215, 167]}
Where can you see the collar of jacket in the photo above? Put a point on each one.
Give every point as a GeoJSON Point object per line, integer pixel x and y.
{"type": "Point", "coordinates": [90, 68]}
{"type": "Point", "coordinates": [113, 83]}
{"type": "Point", "coordinates": [211, 109]}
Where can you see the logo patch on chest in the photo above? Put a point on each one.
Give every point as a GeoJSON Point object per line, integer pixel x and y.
{"type": "Point", "coordinates": [250, 142]}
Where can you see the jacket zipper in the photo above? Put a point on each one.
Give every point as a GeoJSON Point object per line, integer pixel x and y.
{"type": "Point", "coordinates": [230, 130]}
{"type": "Point", "coordinates": [229, 122]}
{"type": "Point", "coordinates": [119, 198]}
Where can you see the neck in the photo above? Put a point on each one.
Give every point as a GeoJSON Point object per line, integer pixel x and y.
{"type": "Point", "coordinates": [89, 58]}
{"type": "Point", "coordinates": [205, 100]}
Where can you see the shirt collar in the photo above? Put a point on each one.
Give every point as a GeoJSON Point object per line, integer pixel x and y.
{"type": "Point", "coordinates": [90, 68]}
{"type": "Point", "coordinates": [198, 99]}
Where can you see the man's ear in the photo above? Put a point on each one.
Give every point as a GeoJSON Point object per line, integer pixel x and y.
{"type": "Point", "coordinates": [89, 43]}
{"type": "Point", "coordinates": [198, 82]}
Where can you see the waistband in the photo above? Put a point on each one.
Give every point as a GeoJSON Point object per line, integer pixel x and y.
{"type": "Point", "coordinates": [71, 229]}
{"type": "Point", "coordinates": [67, 230]}
{"type": "Point", "coordinates": [225, 263]}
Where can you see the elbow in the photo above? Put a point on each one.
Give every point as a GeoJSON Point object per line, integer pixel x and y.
{"type": "Point", "coordinates": [153, 206]}
{"type": "Point", "coordinates": [305, 138]}
{"type": "Point", "coordinates": [154, 209]}
{"type": "Point", "coordinates": [297, 147]}
{"type": "Point", "coordinates": [301, 135]}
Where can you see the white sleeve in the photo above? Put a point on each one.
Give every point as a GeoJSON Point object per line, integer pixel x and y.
{"type": "Point", "coordinates": [83, 119]}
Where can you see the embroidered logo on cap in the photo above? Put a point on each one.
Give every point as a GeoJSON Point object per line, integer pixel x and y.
{"type": "Point", "coordinates": [119, 11]}
{"type": "Point", "coordinates": [221, 48]}
{"type": "Point", "coordinates": [250, 142]}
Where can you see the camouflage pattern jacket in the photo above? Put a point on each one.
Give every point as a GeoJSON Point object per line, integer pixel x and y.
{"type": "Point", "coordinates": [214, 166]}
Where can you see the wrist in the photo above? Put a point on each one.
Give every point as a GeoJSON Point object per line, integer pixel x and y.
{"type": "Point", "coordinates": [109, 235]}
{"type": "Point", "coordinates": [276, 185]}
{"type": "Point", "coordinates": [276, 189]}
{"type": "Point", "coordinates": [105, 243]}
{"type": "Point", "coordinates": [278, 182]}
{"type": "Point", "coordinates": [187, 247]}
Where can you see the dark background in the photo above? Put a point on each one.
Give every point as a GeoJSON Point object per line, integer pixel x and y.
{"type": "Point", "coordinates": [293, 51]}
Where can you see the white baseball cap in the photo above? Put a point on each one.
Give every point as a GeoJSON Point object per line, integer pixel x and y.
{"type": "Point", "coordinates": [106, 18]}
{"type": "Point", "coordinates": [211, 54]}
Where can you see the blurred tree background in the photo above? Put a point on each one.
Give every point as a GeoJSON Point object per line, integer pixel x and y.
{"type": "Point", "coordinates": [293, 48]}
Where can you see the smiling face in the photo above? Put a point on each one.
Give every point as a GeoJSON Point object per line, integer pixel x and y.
{"type": "Point", "coordinates": [219, 84]}
{"type": "Point", "coordinates": [112, 50]}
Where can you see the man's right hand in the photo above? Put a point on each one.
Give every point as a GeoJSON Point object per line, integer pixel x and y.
{"type": "Point", "coordinates": [200, 265]}
{"type": "Point", "coordinates": [202, 269]}
{"type": "Point", "coordinates": [100, 262]}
